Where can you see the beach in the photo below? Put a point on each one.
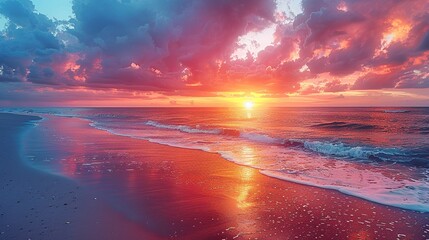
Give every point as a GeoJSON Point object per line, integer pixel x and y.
{"type": "Point", "coordinates": [37, 205]}
{"type": "Point", "coordinates": [205, 119]}
{"type": "Point", "coordinates": [64, 179]}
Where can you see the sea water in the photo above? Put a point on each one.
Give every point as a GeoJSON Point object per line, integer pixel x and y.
{"type": "Point", "coordinates": [379, 154]}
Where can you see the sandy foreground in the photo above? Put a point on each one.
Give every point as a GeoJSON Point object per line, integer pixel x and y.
{"type": "Point", "coordinates": [67, 180]}
{"type": "Point", "coordinates": [37, 205]}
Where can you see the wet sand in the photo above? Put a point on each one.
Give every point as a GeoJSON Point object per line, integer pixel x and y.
{"type": "Point", "coordinates": [37, 205]}
{"type": "Point", "coordinates": [173, 193]}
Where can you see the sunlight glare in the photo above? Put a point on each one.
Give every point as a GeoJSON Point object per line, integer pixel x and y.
{"type": "Point", "coordinates": [248, 105]}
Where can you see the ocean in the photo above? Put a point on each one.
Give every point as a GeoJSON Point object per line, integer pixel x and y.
{"type": "Point", "coordinates": [378, 154]}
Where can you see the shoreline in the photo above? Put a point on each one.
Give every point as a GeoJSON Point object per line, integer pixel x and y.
{"type": "Point", "coordinates": [190, 194]}
{"type": "Point", "coordinates": [419, 208]}
{"type": "Point", "coordinates": [37, 205]}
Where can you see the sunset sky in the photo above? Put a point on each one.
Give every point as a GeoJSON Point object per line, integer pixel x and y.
{"type": "Point", "coordinates": [214, 52]}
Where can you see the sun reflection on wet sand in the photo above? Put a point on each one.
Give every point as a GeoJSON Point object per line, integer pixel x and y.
{"type": "Point", "coordinates": [242, 202]}
{"type": "Point", "coordinates": [246, 176]}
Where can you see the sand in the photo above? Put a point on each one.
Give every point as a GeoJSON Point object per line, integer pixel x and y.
{"type": "Point", "coordinates": [37, 205]}
{"type": "Point", "coordinates": [124, 188]}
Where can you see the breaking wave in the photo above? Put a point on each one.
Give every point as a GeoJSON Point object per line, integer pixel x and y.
{"type": "Point", "coordinates": [335, 149]}
{"type": "Point", "coordinates": [344, 125]}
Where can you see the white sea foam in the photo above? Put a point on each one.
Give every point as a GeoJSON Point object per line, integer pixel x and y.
{"type": "Point", "coordinates": [257, 137]}
{"type": "Point", "coordinates": [342, 150]}
{"type": "Point", "coordinates": [182, 128]}
{"type": "Point", "coordinates": [411, 195]}
{"type": "Point", "coordinates": [170, 142]}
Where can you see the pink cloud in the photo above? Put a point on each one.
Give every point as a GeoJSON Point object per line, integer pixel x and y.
{"type": "Point", "coordinates": [185, 47]}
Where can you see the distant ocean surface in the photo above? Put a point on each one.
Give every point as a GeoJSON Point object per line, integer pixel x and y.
{"type": "Point", "coordinates": [379, 154]}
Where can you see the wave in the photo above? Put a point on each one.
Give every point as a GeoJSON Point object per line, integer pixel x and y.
{"type": "Point", "coordinates": [262, 138]}
{"type": "Point", "coordinates": [195, 129]}
{"type": "Point", "coordinates": [418, 130]}
{"type": "Point", "coordinates": [358, 152]}
{"type": "Point", "coordinates": [344, 125]}
{"type": "Point", "coordinates": [182, 128]}
{"type": "Point", "coordinates": [396, 111]}
{"type": "Point", "coordinates": [251, 136]}
{"type": "Point", "coordinates": [159, 141]}
{"type": "Point", "coordinates": [113, 116]}
{"type": "Point", "coordinates": [412, 196]}
{"type": "Point", "coordinates": [424, 130]}
{"type": "Point", "coordinates": [335, 149]}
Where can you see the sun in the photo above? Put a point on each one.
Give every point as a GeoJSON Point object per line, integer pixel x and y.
{"type": "Point", "coordinates": [248, 105]}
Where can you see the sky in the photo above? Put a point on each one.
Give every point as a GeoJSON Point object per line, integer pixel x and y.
{"type": "Point", "coordinates": [214, 53]}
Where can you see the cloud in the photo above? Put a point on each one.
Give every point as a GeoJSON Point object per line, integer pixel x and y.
{"type": "Point", "coordinates": [374, 81]}
{"type": "Point", "coordinates": [424, 46]}
{"type": "Point", "coordinates": [164, 39]}
{"type": "Point", "coordinates": [310, 90]}
{"type": "Point", "coordinates": [28, 46]}
{"type": "Point", "coordinates": [185, 47]}
{"type": "Point", "coordinates": [335, 86]}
